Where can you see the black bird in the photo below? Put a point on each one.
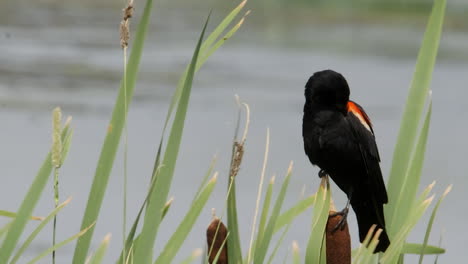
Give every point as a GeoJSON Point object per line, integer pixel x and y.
{"type": "Point", "coordinates": [338, 138]}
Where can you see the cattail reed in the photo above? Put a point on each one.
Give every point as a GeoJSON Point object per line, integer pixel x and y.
{"type": "Point", "coordinates": [216, 236]}
{"type": "Point", "coordinates": [125, 24]}
{"type": "Point", "coordinates": [124, 38]}
{"type": "Point", "coordinates": [338, 241]}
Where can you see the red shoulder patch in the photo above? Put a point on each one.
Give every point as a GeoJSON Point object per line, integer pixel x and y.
{"type": "Point", "coordinates": [360, 114]}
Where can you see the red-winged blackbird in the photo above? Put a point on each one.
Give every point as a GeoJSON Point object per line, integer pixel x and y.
{"type": "Point", "coordinates": [338, 137]}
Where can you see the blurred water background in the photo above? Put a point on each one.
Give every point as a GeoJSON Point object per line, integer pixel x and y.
{"type": "Point", "coordinates": [67, 53]}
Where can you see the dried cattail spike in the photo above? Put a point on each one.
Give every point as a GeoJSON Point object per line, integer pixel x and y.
{"type": "Point", "coordinates": [125, 24]}
{"type": "Point", "coordinates": [338, 242]}
{"type": "Point", "coordinates": [128, 11]}
{"type": "Point", "coordinates": [124, 34]}
{"type": "Point", "coordinates": [216, 236]}
{"type": "Point", "coordinates": [57, 137]}
{"type": "Point", "coordinates": [237, 159]}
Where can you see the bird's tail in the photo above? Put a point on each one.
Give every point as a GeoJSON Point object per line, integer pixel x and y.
{"type": "Point", "coordinates": [368, 214]}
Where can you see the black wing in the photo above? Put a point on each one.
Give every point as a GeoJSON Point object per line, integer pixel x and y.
{"type": "Point", "coordinates": [365, 138]}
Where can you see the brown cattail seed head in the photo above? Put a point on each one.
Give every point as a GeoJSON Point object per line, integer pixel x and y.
{"type": "Point", "coordinates": [216, 236]}
{"type": "Point", "coordinates": [124, 34]}
{"type": "Point", "coordinates": [338, 242]}
{"type": "Point", "coordinates": [57, 137]}
{"type": "Point", "coordinates": [125, 24]}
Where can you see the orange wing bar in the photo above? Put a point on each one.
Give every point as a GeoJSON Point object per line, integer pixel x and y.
{"type": "Point", "coordinates": [359, 113]}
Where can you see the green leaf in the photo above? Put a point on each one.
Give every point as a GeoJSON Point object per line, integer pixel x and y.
{"type": "Point", "coordinates": [205, 178]}
{"type": "Point", "coordinates": [431, 221]}
{"type": "Point", "coordinates": [235, 251]}
{"type": "Point", "coordinates": [205, 51]}
{"type": "Point", "coordinates": [319, 222]}
{"type": "Point", "coordinates": [296, 253]}
{"type": "Point", "coordinates": [288, 216]}
{"type": "Point", "coordinates": [218, 254]}
{"type": "Point", "coordinates": [184, 228]}
{"type": "Point", "coordinates": [411, 248]}
{"type": "Point", "coordinates": [360, 253]}
{"type": "Point", "coordinates": [153, 214]}
{"type": "Point", "coordinates": [264, 215]}
{"type": "Point", "coordinates": [4, 229]}
{"type": "Point", "coordinates": [195, 254]}
{"type": "Point", "coordinates": [262, 246]}
{"type": "Point", "coordinates": [254, 246]}
{"type": "Point", "coordinates": [61, 244]}
{"type": "Point", "coordinates": [175, 100]}
{"type": "Point", "coordinates": [112, 140]}
{"type": "Point", "coordinates": [410, 187]}
{"type": "Point", "coordinates": [28, 205]}
{"type": "Point", "coordinates": [392, 253]}
{"type": "Point", "coordinates": [101, 251]}
{"type": "Point", "coordinates": [413, 112]}
{"type": "Point", "coordinates": [36, 231]}
{"type": "Point", "coordinates": [13, 215]}
{"type": "Point", "coordinates": [279, 243]}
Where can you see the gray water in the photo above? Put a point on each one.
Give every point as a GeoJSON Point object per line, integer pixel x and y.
{"type": "Point", "coordinates": [68, 55]}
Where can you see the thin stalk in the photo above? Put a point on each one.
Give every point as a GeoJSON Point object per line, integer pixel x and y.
{"type": "Point", "coordinates": [56, 160]}
{"type": "Point", "coordinates": [56, 198]}
{"type": "Point", "coordinates": [259, 195]}
{"type": "Point", "coordinates": [124, 38]}
{"type": "Point", "coordinates": [125, 157]}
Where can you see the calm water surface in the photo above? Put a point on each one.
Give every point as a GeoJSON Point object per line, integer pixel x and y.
{"type": "Point", "coordinates": [68, 56]}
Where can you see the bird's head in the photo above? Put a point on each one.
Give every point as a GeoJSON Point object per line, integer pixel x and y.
{"type": "Point", "coordinates": [327, 89]}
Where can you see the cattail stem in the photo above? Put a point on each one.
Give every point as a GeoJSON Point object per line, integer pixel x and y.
{"type": "Point", "coordinates": [56, 163]}
{"type": "Point", "coordinates": [124, 38]}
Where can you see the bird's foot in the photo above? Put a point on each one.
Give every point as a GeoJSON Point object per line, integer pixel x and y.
{"type": "Point", "coordinates": [342, 223]}
{"type": "Point", "coordinates": [322, 173]}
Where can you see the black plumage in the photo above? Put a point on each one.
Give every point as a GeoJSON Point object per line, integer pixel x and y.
{"type": "Point", "coordinates": [339, 138]}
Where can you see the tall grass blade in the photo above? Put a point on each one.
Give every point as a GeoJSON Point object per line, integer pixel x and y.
{"type": "Point", "coordinates": [29, 203]}
{"type": "Point", "coordinates": [195, 254]}
{"type": "Point", "coordinates": [411, 248]}
{"type": "Point", "coordinates": [414, 109]}
{"type": "Point", "coordinates": [393, 252]}
{"type": "Point", "coordinates": [319, 222]}
{"type": "Point", "coordinates": [98, 257]}
{"type": "Point", "coordinates": [36, 231]}
{"type": "Point", "coordinates": [431, 221]}
{"type": "Point", "coordinates": [264, 215]}
{"type": "Point", "coordinates": [13, 215]}
{"type": "Point", "coordinates": [179, 236]}
{"type": "Point", "coordinates": [257, 204]}
{"type": "Point", "coordinates": [61, 244]}
{"type": "Point", "coordinates": [4, 229]}
{"type": "Point", "coordinates": [262, 246]}
{"type": "Point", "coordinates": [279, 243]}
{"type": "Point", "coordinates": [153, 214]}
{"type": "Point", "coordinates": [296, 253]}
{"type": "Point", "coordinates": [360, 252]}
{"type": "Point", "coordinates": [204, 54]}
{"type": "Point", "coordinates": [411, 183]}
{"type": "Point", "coordinates": [288, 216]}
{"type": "Point", "coordinates": [205, 179]}
{"type": "Point", "coordinates": [174, 101]}
{"type": "Point", "coordinates": [233, 242]}
{"type": "Point", "coordinates": [112, 140]}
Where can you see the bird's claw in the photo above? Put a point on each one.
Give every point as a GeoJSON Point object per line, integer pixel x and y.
{"type": "Point", "coordinates": [342, 223]}
{"type": "Point", "coordinates": [322, 173]}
